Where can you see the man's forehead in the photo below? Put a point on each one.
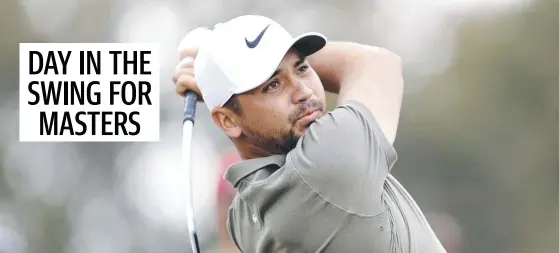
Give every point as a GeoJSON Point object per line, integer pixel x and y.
{"type": "Point", "coordinates": [291, 59]}
{"type": "Point", "coordinates": [293, 56]}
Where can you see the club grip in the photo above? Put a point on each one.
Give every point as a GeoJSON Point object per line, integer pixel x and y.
{"type": "Point", "coordinates": [190, 106]}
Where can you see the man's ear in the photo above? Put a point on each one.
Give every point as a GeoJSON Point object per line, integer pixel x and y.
{"type": "Point", "coordinates": [227, 120]}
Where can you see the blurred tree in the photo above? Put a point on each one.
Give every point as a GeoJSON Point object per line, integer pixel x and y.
{"type": "Point", "coordinates": [483, 137]}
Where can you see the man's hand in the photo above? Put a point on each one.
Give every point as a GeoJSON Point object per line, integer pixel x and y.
{"type": "Point", "coordinates": [183, 77]}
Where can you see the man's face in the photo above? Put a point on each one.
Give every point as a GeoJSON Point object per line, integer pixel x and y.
{"type": "Point", "coordinates": [278, 112]}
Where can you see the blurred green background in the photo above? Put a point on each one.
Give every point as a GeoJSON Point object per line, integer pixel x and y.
{"type": "Point", "coordinates": [484, 137]}
{"type": "Point", "coordinates": [477, 140]}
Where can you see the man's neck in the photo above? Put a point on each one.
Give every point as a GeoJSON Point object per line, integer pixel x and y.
{"type": "Point", "coordinates": [250, 151]}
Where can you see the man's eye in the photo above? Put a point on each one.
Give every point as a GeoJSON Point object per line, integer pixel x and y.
{"type": "Point", "coordinates": [303, 68]}
{"type": "Point", "coordinates": [272, 86]}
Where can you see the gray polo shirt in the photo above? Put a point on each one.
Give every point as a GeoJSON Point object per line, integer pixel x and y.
{"type": "Point", "coordinates": [331, 193]}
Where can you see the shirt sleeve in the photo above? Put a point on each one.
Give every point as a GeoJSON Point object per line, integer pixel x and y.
{"type": "Point", "coordinates": [345, 157]}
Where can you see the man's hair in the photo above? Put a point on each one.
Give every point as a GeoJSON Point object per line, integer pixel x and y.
{"type": "Point", "coordinates": [233, 104]}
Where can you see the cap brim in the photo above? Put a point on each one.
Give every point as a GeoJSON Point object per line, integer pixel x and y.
{"type": "Point", "coordinates": [306, 43]}
{"type": "Point", "coordinates": [309, 43]}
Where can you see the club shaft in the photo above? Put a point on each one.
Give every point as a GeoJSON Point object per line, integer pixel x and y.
{"type": "Point", "coordinates": [188, 125]}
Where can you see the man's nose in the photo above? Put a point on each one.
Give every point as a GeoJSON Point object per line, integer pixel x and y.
{"type": "Point", "coordinates": [301, 92]}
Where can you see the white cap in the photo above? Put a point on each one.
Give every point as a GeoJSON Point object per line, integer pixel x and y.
{"type": "Point", "coordinates": [243, 53]}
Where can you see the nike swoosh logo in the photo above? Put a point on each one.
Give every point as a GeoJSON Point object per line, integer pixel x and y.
{"type": "Point", "coordinates": [254, 43]}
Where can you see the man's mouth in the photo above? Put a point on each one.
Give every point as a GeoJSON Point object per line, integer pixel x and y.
{"type": "Point", "coordinates": [308, 118]}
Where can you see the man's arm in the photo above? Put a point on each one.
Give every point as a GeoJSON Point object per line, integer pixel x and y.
{"type": "Point", "coordinates": [369, 75]}
{"type": "Point", "coordinates": [346, 155]}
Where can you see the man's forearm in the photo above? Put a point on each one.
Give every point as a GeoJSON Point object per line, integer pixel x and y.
{"type": "Point", "coordinates": [367, 74]}
{"type": "Point", "coordinates": [336, 61]}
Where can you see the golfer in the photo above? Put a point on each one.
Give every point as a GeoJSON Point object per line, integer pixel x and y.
{"type": "Point", "coordinates": [310, 180]}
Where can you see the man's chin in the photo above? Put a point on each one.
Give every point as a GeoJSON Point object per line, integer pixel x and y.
{"type": "Point", "coordinates": [301, 131]}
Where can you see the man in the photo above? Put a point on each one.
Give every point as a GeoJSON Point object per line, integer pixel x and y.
{"type": "Point", "coordinates": [311, 180]}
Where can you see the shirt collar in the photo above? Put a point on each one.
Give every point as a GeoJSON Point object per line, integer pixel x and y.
{"type": "Point", "coordinates": [240, 170]}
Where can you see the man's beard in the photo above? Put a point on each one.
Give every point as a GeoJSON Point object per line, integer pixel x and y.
{"type": "Point", "coordinates": [282, 143]}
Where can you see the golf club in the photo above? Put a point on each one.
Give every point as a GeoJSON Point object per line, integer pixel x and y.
{"type": "Point", "coordinates": [192, 39]}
